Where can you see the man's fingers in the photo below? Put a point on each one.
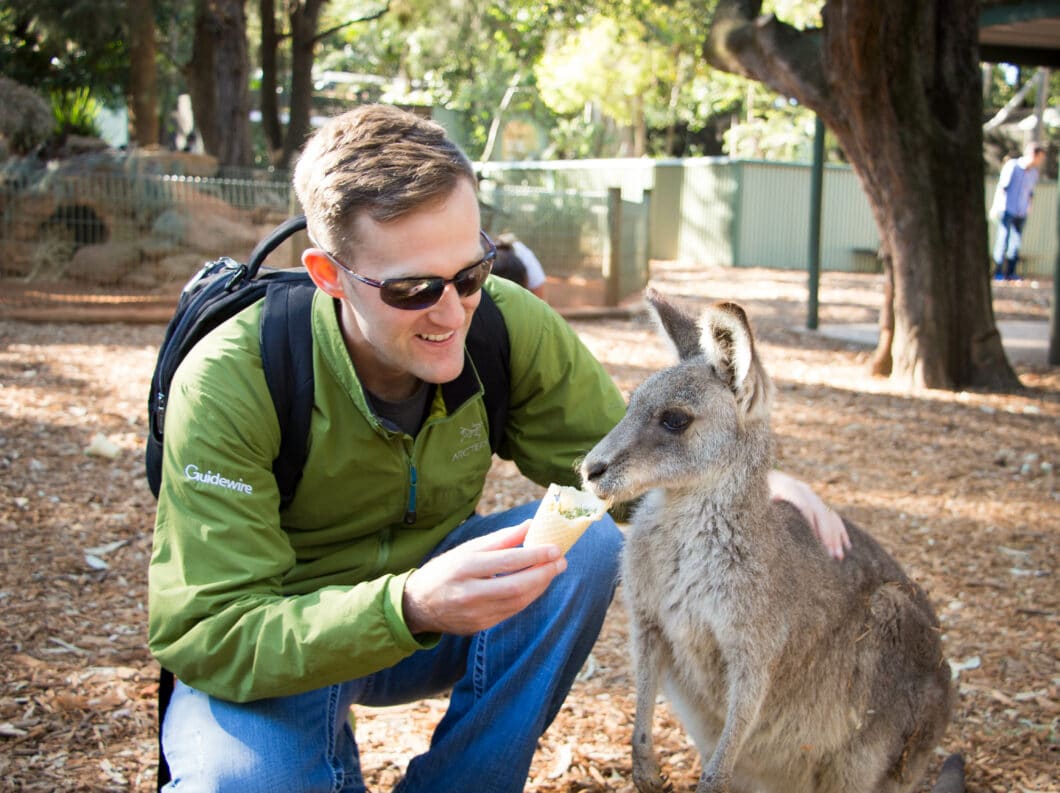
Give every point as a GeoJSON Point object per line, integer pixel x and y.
{"type": "Point", "coordinates": [832, 533]}
{"type": "Point", "coordinates": [499, 553]}
{"type": "Point", "coordinates": [502, 538]}
{"type": "Point", "coordinates": [509, 594]}
{"type": "Point", "coordinates": [462, 604]}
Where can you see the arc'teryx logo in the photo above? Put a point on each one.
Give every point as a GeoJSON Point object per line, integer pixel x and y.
{"type": "Point", "coordinates": [475, 437]}
{"type": "Point", "coordinates": [192, 472]}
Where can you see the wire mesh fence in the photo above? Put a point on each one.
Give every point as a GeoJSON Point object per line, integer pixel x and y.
{"type": "Point", "coordinates": [46, 222]}
{"type": "Point", "coordinates": [101, 234]}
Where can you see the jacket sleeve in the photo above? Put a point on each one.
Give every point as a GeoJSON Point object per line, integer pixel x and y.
{"type": "Point", "coordinates": [1005, 177]}
{"type": "Point", "coordinates": [562, 399]}
{"type": "Point", "coordinates": [219, 617]}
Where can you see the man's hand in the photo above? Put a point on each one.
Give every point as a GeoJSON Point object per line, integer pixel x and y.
{"type": "Point", "coordinates": [479, 583]}
{"type": "Point", "coordinates": [824, 521]}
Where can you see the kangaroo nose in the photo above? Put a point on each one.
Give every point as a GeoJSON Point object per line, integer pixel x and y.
{"type": "Point", "coordinates": [594, 469]}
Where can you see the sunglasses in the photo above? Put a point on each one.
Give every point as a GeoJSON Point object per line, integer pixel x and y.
{"type": "Point", "coordinates": [419, 292]}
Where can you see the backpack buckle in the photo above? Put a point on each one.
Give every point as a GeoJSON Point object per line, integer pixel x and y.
{"type": "Point", "coordinates": [236, 279]}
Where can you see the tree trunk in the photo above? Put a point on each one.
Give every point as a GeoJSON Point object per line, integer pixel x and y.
{"type": "Point", "coordinates": [270, 111]}
{"type": "Point", "coordinates": [304, 16]}
{"type": "Point", "coordinates": [898, 84]}
{"type": "Point", "coordinates": [217, 76]}
{"type": "Point", "coordinates": [143, 73]}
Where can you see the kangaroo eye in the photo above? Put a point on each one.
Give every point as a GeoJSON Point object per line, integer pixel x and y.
{"type": "Point", "coordinates": [675, 420]}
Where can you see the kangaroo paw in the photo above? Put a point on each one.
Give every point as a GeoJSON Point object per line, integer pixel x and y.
{"type": "Point", "coordinates": [651, 781]}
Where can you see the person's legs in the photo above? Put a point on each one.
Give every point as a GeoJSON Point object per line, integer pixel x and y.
{"type": "Point", "coordinates": [297, 744]}
{"type": "Point", "coordinates": [1001, 246]}
{"type": "Point", "coordinates": [509, 681]}
{"type": "Point", "coordinates": [1014, 241]}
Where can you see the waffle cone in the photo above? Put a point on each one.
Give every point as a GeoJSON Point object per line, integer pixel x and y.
{"type": "Point", "coordinates": [551, 527]}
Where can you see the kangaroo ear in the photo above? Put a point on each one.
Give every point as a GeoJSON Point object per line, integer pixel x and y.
{"type": "Point", "coordinates": [728, 345]}
{"type": "Point", "coordinates": [680, 328]}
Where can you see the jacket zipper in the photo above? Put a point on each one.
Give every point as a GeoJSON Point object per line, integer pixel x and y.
{"type": "Point", "coordinates": [410, 510]}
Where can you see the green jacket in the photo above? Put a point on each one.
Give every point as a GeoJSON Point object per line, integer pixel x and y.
{"type": "Point", "coordinates": [247, 601]}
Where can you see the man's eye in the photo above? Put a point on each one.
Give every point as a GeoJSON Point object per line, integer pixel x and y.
{"type": "Point", "coordinates": [675, 420]}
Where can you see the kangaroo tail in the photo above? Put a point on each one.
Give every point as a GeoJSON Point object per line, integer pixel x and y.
{"type": "Point", "coordinates": [951, 777]}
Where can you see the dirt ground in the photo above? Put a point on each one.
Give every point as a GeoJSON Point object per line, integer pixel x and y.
{"type": "Point", "coordinates": [960, 487]}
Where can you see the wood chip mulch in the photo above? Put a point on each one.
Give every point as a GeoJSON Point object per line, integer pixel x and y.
{"type": "Point", "coordinates": [960, 487]}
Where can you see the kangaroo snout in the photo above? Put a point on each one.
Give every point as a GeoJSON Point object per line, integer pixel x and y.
{"type": "Point", "coordinates": [595, 473]}
{"type": "Point", "coordinates": [593, 470]}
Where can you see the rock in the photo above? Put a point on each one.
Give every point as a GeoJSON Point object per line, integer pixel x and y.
{"type": "Point", "coordinates": [102, 446]}
{"type": "Point", "coordinates": [198, 228]}
{"type": "Point", "coordinates": [105, 263]}
{"type": "Point", "coordinates": [179, 267]}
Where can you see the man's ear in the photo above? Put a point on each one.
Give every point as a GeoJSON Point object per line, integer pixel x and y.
{"type": "Point", "coordinates": [323, 272]}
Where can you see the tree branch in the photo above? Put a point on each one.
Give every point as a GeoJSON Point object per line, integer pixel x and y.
{"type": "Point", "coordinates": [1002, 115]}
{"type": "Point", "coordinates": [375, 15]}
{"type": "Point", "coordinates": [765, 49]}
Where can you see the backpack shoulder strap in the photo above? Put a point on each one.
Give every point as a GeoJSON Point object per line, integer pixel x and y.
{"type": "Point", "coordinates": [490, 350]}
{"type": "Point", "coordinates": [272, 242]}
{"type": "Point", "coordinates": [287, 359]}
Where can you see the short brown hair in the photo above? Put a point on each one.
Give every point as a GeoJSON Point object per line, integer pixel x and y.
{"type": "Point", "coordinates": [374, 159]}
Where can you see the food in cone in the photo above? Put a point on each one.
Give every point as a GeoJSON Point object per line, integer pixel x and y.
{"type": "Point", "coordinates": [563, 516]}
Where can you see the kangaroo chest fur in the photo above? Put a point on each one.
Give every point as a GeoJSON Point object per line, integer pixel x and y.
{"type": "Point", "coordinates": [713, 597]}
{"type": "Point", "coordinates": [695, 586]}
{"type": "Point", "coordinates": [691, 583]}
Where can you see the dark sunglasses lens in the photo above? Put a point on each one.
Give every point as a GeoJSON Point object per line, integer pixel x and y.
{"type": "Point", "coordinates": [469, 281]}
{"type": "Point", "coordinates": [417, 293]}
{"type": "Point", "coordinates": [412, 293]}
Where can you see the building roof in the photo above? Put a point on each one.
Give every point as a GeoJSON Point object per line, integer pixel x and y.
{"type": "Point", "coordinates": [1026, 32]}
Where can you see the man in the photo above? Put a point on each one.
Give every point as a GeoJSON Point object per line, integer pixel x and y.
{"type": "Point", "coordinates": [379, 583]}
{"type": "Point", "coordinates": [1012, 204]}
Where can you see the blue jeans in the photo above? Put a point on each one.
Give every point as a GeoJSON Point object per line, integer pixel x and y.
{"type": "Point", "coordinates": [507, 682]}
{"type": "Point", "coordinates": [1007, 245]}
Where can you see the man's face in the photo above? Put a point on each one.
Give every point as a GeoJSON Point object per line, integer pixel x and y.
{"type": "Point", "coordinates": [392, 348]}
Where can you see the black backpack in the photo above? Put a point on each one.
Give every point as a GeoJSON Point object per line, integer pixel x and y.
{"type": "Point", "coordinates": [223, 288]}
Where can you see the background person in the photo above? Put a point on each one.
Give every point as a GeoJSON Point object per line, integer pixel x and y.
{"type": "Point", "coordinates": [509, 265]}
{"type": "Point", "coordinates": [1012, 204]}
{"type": "Point", "coordinates": [536, 280]}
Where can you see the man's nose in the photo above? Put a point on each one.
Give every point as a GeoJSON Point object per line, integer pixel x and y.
{"type": "Point", "coordinates": [450, 309]}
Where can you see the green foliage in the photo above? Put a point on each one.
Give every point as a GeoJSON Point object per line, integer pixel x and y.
{"type": "Point", "coordinates": [578, 137]}
{"type": "Point", "coordinates": [75, 112]}
{"type": "Point", "coordinates": [65, 45]}
{"type": "Point", "coordinates": [635, 56]}
{"type": "Point", "coordinates": [616, 67]}
{"type": "Point", "coordinates": [460, 56]}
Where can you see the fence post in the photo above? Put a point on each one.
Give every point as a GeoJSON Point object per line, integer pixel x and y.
{"type": "Point", "coordinates": [816, 189]}
{"type": "Point", "coordinates": [613, 259]}
{"type": "Point", "coordinates": [646, 198]}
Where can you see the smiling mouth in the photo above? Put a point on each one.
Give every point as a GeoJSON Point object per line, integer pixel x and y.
{"type": "Point", "coordinates": [436, 336]}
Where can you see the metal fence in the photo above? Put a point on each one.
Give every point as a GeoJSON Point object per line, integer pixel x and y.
{"type": "Point", "coordinates": [593, 224]}
{"type": "Point", "coordinates": [592, 239]}
{"type": "Point", "coordinates": [147, 232]}
{"type": "Point", "coordinates": [119, 229]}
{"type": "Point", "coordinates": [744, 213]}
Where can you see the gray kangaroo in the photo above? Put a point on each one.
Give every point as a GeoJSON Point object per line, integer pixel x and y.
{"type": "Point", "coordinates": [791, 671]}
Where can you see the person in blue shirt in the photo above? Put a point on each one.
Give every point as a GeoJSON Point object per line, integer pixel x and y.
{"type": "Point", "coordinates": [1012, 203]}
